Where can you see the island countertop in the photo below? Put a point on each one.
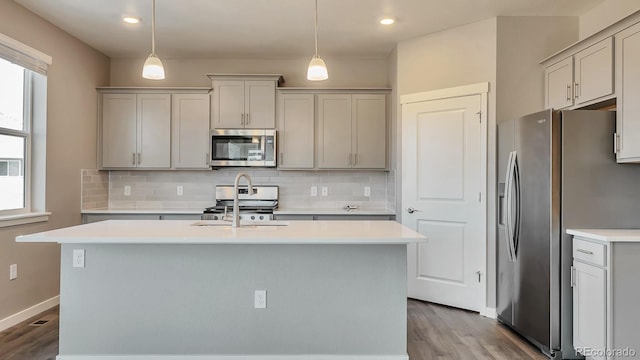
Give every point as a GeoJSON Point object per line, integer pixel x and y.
{"type": "Point", "coordinates": [215, 232]}
{"type": "Point", "coordinates": [608, 235]}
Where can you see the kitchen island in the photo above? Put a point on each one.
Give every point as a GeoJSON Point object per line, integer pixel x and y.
{"type": "Point", "coordinates": [191, 289]}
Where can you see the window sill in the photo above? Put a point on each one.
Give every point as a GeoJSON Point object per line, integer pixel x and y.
{"type": "Point", "coordinates": [21, 219]}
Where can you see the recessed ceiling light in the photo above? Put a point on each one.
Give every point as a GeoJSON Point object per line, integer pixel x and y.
{"type": "Point", "coordinates": [131, 19]}
{"type": "Point", "coordinates": [387, 20]}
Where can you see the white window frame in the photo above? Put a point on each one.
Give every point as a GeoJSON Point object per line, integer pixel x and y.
{"type": "Point", "coordinates": [33, 167]}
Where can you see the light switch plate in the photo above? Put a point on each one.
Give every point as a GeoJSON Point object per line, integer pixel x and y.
{"type": "Point", "coordinates": [180, 190]}
{"type": "Point", "coordinates": [13, 271]}
{"type": "Point", "coordinates": [367, 191]}
{"type": "Point", "coordinates": [325, 191]}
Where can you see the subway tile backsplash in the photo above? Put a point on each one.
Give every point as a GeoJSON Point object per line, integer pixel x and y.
{"type": "Point", "coordinates": [158, 189]}
{"type": "Point", "coordinates": [95, 189]}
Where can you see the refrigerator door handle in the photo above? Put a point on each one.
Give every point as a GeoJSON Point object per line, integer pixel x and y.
{"type": "Point", "coordinates": [508, 192]}
{"type": "Point", "coordinates": [516, 229]}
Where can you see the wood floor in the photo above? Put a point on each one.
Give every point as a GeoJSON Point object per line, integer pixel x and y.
{"type": "Point", "coordinates": [434, 332]}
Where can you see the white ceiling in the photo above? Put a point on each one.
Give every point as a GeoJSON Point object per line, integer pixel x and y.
{"type": "Point", "coordinates": [274, 28]}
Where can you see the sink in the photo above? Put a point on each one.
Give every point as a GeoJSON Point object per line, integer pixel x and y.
{"type": "Point", "coordinates": [243, 223]}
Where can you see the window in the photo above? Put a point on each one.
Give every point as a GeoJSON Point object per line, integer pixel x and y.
{"type": "Point", "coordinates": [22, 128]}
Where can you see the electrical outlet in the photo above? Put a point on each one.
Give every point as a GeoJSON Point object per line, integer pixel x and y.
{"type": "Point", "coordinates": [127, 190]}
{"type": "Point", "coordinates": [78, 258]}
{"type": "Point", "coordinates": [325, 191]}
{"type": "Point", "coordinates": [180, 190]}
{"type": "Point", "coordinates": [260, 299]}
{"type": "Point", "coordinates": [314, 191]}
{"type": "Point", "coordinates": [367, 191]}
{"type": "Point", "coordinates": [13, 271]}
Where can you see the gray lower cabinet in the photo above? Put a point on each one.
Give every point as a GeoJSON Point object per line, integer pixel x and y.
{"type": "Point", "coordinates": [91, 218]}
{"type": "Point", "coordinates": [334, 217]}
{"type": "Point", "coordinates": [606, 295]}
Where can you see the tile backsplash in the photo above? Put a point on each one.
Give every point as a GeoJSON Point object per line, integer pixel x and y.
{"type": "Point", "coordinates": [95, 189]}
{"type": "Point", "coordinates": [158, 189]}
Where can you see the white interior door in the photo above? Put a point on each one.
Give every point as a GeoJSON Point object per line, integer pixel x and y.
{"type": "Point", "coordinates": [443, 198]}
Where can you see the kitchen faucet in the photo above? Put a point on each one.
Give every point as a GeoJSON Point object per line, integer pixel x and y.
{"type": "Point", "coordinates": [236, 208]}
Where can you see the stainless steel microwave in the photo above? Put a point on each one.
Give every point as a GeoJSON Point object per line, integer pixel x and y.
{"type": "Point", "coordinates": [243, 147]}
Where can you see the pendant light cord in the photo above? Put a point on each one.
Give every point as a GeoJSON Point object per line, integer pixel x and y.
{"type": "Point", "coordinates": [316, 27]}
{"type": "Point", "coordinates": [153, 27]}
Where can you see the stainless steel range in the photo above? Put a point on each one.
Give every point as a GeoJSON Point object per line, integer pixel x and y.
{"type": "Point", "coordinates": [258, 206]}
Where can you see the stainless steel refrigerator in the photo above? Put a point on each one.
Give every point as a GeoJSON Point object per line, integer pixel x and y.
{"type": "Point", "coordinates": [557, 170]}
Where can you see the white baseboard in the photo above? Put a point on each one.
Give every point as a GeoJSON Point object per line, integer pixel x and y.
{"type": "Point", "coordinates": [232, 357]}
{"type": "Point", "coordinates": [489, 312]}
{"type": "Point", "coordinates": [25, 314]}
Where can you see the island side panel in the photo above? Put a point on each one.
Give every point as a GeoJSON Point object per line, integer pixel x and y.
{"type": "Point", "coordinates": [199, 299]}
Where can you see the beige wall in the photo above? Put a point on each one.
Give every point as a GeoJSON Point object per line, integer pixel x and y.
{"type": "Point", "coordinates": [71, 145]}
{"type": "Point", "coordinates": [605, 14]}
{"type": "Point", "coordinates": [343, 72]}
{"type": "Point", "coordinates": [455, 57]}
{"type": "Point", "coordinates": [522, 43]}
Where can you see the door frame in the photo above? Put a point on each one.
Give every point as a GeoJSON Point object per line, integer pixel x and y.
{"type": "Point", "coordinates": [481, 89]}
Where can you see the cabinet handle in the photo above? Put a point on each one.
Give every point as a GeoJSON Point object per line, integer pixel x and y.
{"type": "Point", "coordinates": [355, 159]}
{"type": "Point", "coordinates": [139, 158]}
{"type": "Point", "coordinates": [568, 92]}
{"type": "Point", "coordinates": [241, 119]}
{"type": "Point", "coordinates": [248, 119]}
{"type": "Point", "coordinates": [206, 159]}
{"type": "Point", "coordinates": [585, 251]}
{"type": "Point", "coordinates": [281, 156]}
{"type": "Point", "coordinates": [576, 90]}
{"type": "Point", "coordinates": [573, 276]}
{"type": "Point", "coordinates": [349, 159]}
{"type": "Point", "coordinates": [134, 158]}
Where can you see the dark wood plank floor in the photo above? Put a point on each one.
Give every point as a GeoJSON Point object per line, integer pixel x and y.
{"type": "Point", "coordinates": [434, 332]}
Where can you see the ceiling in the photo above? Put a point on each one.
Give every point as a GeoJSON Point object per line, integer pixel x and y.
{"type": "Point", "coordinates": [274, 28]}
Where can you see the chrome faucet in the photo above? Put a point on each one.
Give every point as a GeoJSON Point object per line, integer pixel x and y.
{"type": "Point", "coordinates": [236, 208]}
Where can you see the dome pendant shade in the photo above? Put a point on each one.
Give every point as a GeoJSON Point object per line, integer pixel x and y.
{"type": "Point", "coordinates": [153, 68]}
{"type": "Point", "coordinates": [317, 70]}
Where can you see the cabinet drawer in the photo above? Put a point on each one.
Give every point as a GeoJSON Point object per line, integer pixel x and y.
{"type": "Point", "coordinates": [590, 252]}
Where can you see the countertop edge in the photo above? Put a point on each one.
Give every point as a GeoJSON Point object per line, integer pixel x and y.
{"type": "Point", "coordinates": [607, 235]}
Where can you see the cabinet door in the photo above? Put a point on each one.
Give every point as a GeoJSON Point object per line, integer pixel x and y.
{"type": "Point", "coordinates": [190, 131]}
{"type": "Point", "coordinates": [260, 104]}
{"type": "Point", "coordinates": [559, 84]}
{"type": "Point", "coordinates": [628, 93]}
{"type": "Point", "coordinates": [154, 131]}
{"type": "Point", "coordinates": [228, 104]}
{"type": "Point", "coordinates": [369, 131]}
{"type": "Point", "coordinates": [334, 131]}
{"type": "Point", "coordinates": [295, 131]}
{"type": "Point", "coordinates": [593, 72]}
{"type": "Point", "coordinates": [118, 130]}
{"type": "Point", "coordinates": [589, 307]}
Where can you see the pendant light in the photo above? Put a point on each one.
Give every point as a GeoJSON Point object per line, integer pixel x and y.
{"type": "Point", "coordinates": [153, 68]}
{"type": "Point", "coordinates": [317, 68]}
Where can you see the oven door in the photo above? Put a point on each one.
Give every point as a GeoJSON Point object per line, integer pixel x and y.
{"type": "Point", "coordinates": [243, 147]}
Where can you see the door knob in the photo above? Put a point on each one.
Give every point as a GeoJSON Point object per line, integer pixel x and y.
{"type": "Point", "coordinates": [411, 210]}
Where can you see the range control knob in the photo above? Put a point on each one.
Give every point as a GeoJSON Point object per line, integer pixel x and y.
{"type": "Point", "coordinates": [215, 217]}
{"type": "Point", "coordinates": [253, 217]}
{"type": "Point", "coordinates": [261, 217]}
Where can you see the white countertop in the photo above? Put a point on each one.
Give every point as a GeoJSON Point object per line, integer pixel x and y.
{"type": "Point", "coordinates": [279, 211]}
{"type": "Point", "coordinates": [609, 235]}
{"type": "Point", "coordinates": [185, 232]}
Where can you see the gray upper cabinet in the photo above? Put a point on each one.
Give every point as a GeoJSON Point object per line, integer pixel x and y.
{"type": "Point", "coordinates": [190, 131]}
{"type": "Point", "coordinates": [136, 131]}
{"type": "Point", "coordinates": [244, 101]}
{"type": "Point", "coordinates": [628, 91]}
{"type": "Point", "coordinates": [584, 78]}
{"type": "Point", "coordinates": [296, 115]}
{"type": "Point", "coordinates": [351, 131]}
